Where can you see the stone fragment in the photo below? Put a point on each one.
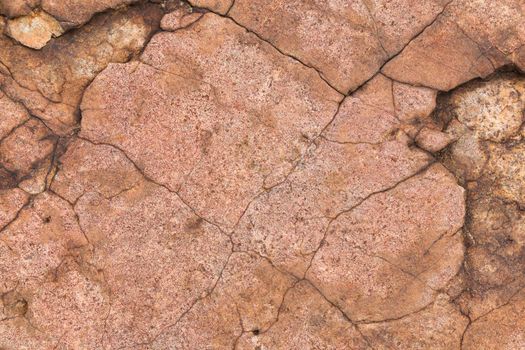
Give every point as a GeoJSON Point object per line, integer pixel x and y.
{"type": "Point", "coordinates": [213, 113]}
{"type": "Point", "coordinates": [413, 102]}
{"type": "Point", "coordinates": [441, 58]}
{"type": "Point", "coordinates": [370, 260]}
{"type": "Point", "coordinates": [17, 8]}
{"type": "Point", "coordinates": [467, 154]}
{"type": "Point", "coordinates": [494, 109]}
{"type": "Point", "coordinates": [74, 13]}
{"type": "Point", "coordinates": [367, 116]}
{"type": "Point", "coordinates": [34, 30]}
{"type": "Point", "coordinates": [432, 140]}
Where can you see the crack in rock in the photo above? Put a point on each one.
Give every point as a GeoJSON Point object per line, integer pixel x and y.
{"type": "Point", "coordinates": [231, 174]}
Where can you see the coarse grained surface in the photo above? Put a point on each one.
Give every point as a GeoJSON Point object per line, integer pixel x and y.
{"type": "Point", "coordinates": [238, 174]}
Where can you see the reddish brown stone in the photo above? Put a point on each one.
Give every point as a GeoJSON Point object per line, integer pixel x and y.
{"type": "Point", "coordinates": [306, 321]}
{"type": "Point", "coordinates": [86, 167]}
{"type": "Point", "coordinates": [219, 6]}
{"type": "Point", "coordinates": [34, 30]}
{"type": "Point", "coordinates": [11, 201]}
{"type": "Point", "coordinates": [13, 115]}
{"type": "Point", "coordinates": [27, 154]}
{"type": "Point", "coordinates": [455, 59]}
{"type": "Point", "coordinates": [179, 18]}
{"type": "Point", "coordinates": [288, 222]}
{"type": "Point", "coordinates": [502, 328]}
{"type": "Point", "coordinates": [212, 134]}
{"type": "Point", "coordinates": [50, 82]}
{"type": "Point", "coordinates": [157, 256]}
{"type": "Point", "coordinates": [16, 8]}
{"type": "Point", "coordinates": [74, 13]}
{"type": "Point", "coordinates": [375, 262]}
{"type": "Point", "coordinates": [190, 175]}
{"type": "Point", "coordinates": [345, 48]}
{"type": "Point", "coordinates": [438, 326]}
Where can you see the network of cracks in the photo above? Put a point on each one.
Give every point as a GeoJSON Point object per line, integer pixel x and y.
{"type": "Point", "coordinates": [186, 177]}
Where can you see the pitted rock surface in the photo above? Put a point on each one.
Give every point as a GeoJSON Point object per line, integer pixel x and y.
{"type": "Point", "coordinates": [261, 175]}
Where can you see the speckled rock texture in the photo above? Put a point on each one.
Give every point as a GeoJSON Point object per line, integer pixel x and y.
{"type": "Point", "coordinates": [262, 175]}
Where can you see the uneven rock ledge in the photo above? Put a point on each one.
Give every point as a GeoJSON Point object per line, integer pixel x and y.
{"type": "Point", "coordinates": [262, 175]}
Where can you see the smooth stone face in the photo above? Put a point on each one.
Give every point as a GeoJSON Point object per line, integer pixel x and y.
{"type": "Point", "coordinates": [455, 58]}
{"type": "Point", "coordinates": [221, 121]}
{"type": "Point", "coordinates": [346, 50]}
{"type": "Point", "coordinates": [368, 264]}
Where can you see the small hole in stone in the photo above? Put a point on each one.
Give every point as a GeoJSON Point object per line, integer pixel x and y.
{"type": "Point", "coordinates": [255, 332]}
{"type": "Point", "coordinates": [47, 219]}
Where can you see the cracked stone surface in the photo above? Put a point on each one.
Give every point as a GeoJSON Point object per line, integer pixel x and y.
{"type": "Point", "coordinates": [238, 174]}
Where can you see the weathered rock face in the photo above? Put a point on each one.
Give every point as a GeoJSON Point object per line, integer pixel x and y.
{"type": "Point", "coordinates": [230, 146]}
{"type": "Point", "coordinates": [262, 175]}
{"type": "Point", "coordinates": [50, 82]}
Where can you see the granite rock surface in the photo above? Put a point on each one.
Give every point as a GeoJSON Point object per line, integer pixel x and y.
{"type": "Point", "coordinates": [239, 174]}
